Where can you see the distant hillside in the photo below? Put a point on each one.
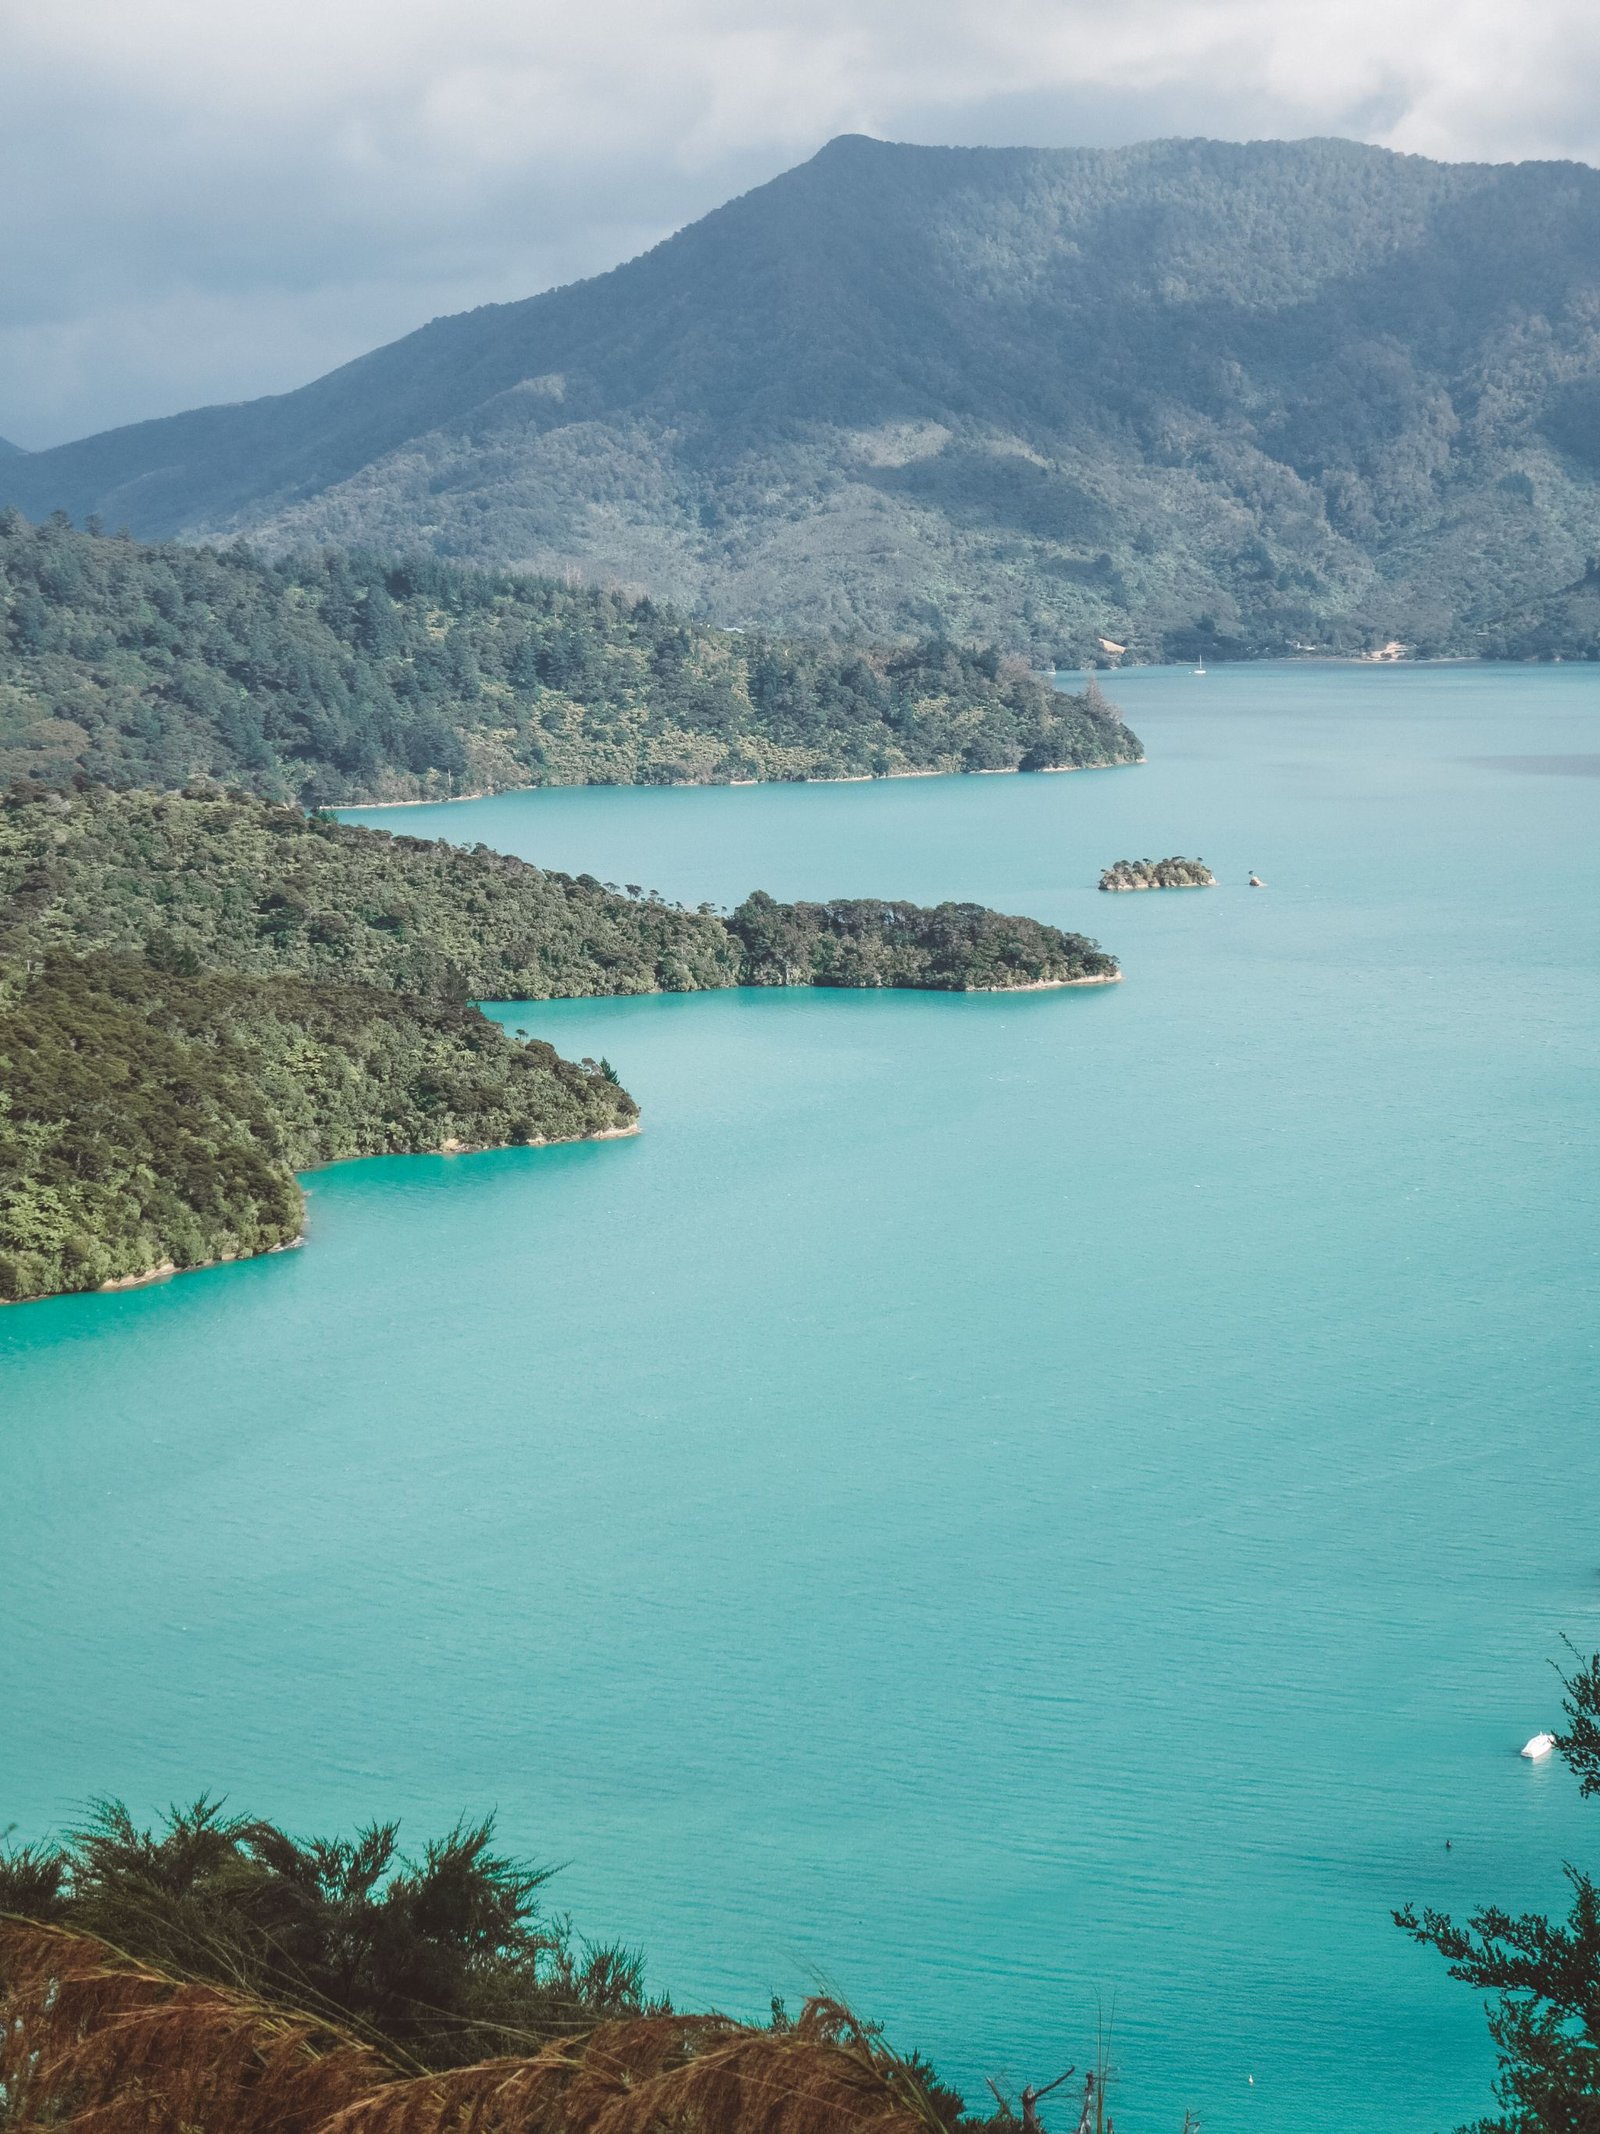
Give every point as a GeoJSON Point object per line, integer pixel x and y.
{"type": "Point", "coordinates": [1564, 624]}
{"type": "Point", "coordinates": [8, 449]}
{"type": "Point", "coordinates": [1189, 396]}
{"type": "Point", "coordinates": [338, 678]}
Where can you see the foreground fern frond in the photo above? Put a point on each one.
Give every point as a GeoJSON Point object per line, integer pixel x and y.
{"type": "Point", "coordinates": [94, 2043]}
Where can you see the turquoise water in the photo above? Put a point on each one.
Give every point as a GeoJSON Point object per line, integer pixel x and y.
{"type": "Point", "coordinates": [1006, 1505]}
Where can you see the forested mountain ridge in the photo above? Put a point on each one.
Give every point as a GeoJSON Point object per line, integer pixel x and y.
{"type": "Point", "coordinates": [1184, 396]}
{"type": "Point", "coordinates": [338, 677]}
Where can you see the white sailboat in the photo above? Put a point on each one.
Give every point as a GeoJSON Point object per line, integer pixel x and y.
{"type": "Point", "coordinates": [1202, 666]}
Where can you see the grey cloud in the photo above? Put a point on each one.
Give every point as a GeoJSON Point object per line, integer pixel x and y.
{"type": "Point", "coordinates": [207, 203]}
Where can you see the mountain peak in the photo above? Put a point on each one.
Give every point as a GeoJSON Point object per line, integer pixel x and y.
{"type": "Point", "coordinates": [1184, 393]}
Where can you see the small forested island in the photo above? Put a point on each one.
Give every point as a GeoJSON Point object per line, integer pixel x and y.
{"type": "Point", "coordinates": [340, 678]}
{"type": "Point", "coordinates": [203, 993]}
{"type": "Point", "coordinates": [1176, 873]}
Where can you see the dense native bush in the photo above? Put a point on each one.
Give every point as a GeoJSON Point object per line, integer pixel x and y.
{"type": "Point", "coordinates": [153, 1119]}
{"type": "Point", "coordinates": [251, 887]}
{"type": "Point", "coordinates": [360, 677]}
{"type": "Point", "coordinates": [961, 948]}
{"type": "Point", "coordinates": [201, 993]}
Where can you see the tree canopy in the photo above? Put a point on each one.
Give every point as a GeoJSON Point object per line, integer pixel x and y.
{"type": "Point", "coordinates": [343, 677]}
{"type": "Point", "coordinates": [203, 993]}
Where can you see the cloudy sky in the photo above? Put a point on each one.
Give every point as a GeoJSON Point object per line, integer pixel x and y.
{"type": "Point", "coordinates": [203, 201]}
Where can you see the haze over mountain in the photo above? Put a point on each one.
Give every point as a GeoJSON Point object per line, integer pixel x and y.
{"type": "Point", "coordinates": [1186, 396]}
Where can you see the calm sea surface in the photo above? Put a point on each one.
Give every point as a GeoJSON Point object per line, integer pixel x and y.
{"type": "Point", "coordinates": [1012, 1507]}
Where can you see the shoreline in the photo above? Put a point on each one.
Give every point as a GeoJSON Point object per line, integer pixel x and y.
{"type": "Point", "coordinates": [540, 1141]}
{"type": "Point", "coordinates": [1032, 985]}
{"type": "Point", "coordinates": [703, 785]}
{"type": "Point", "coordinates": [168, 1269]}
{"type": "Point", "coordinates": [1323, 659]}
{"type": "Point", "coordinates": [164, 1272]}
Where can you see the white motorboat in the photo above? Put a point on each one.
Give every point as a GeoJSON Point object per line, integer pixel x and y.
{"type": "Point", "coordinates": [1539, 1746]}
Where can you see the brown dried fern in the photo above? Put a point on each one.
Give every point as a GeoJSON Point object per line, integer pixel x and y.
{"type": "Point", "coordinates": [663, 2074]}
{"type": "Point", "coordinates": [93, 2043]}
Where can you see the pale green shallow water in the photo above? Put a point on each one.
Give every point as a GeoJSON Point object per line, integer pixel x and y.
{"type": "Point", "coordinates": [989, 1501]}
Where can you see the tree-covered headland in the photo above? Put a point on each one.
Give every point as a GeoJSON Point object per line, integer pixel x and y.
{"type": "Point", "coordinates": [961, 948]}
{"type": "Point", "coordinates": [339, 678]}
{"type": "Point", "coordinates": [203, 993]}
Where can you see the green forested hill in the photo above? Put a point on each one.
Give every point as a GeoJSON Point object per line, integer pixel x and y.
{"type": "Point", "coordinates": [152, 1119]}
{"type": "Point", "coordinates": [201, 993]}
{"type": "Point", "coordinates": [357, 677]}
{"type": "Point", "coordinates": [227, 882]}
{"type": "Point", "coordinates": [1191, 395]}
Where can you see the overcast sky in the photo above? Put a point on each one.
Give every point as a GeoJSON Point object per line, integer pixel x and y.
{"type": "Point", "coordinates": [203, 200]}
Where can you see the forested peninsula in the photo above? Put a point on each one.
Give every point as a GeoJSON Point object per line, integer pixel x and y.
{"type": "Point", "coordinates": [203, 993]}
{"type": "Point", "coordinates": [336, 678]}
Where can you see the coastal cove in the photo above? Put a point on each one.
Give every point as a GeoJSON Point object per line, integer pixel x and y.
{"type": "Point", "coordinates": [996, 1500]}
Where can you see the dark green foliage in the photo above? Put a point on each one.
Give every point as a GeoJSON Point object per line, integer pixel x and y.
{"type": "Point", "coordinates": [1175, 873]}
{"type": "Point", "coordinates": [150, 1120]}
{"type": "Point", "coordinates": [1190, 396]}
{"type": "Point", "coordinates": [1545, 1973]}
{"type": "Point", "coordinates": [202, 993]}
{"type": "Point", "coordinates": [958, 948]}
{"type": "Point", "coordinates": [1563, 625]}
{"type": "Point", "coordinates": [356, 677]}
{"type": "Point", "coordinates": [439, 1960]}
{"type": "Point", "coordinates": [201, 996]}
{"type": "Point", "coordinates": [239, 884]}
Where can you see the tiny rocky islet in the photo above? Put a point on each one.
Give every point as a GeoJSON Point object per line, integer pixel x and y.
{"type": "Point", "coordinates": [1175, 873]}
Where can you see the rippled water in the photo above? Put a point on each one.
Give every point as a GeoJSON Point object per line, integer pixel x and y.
{"type": "Point", "coordinates": [998, 1504]}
